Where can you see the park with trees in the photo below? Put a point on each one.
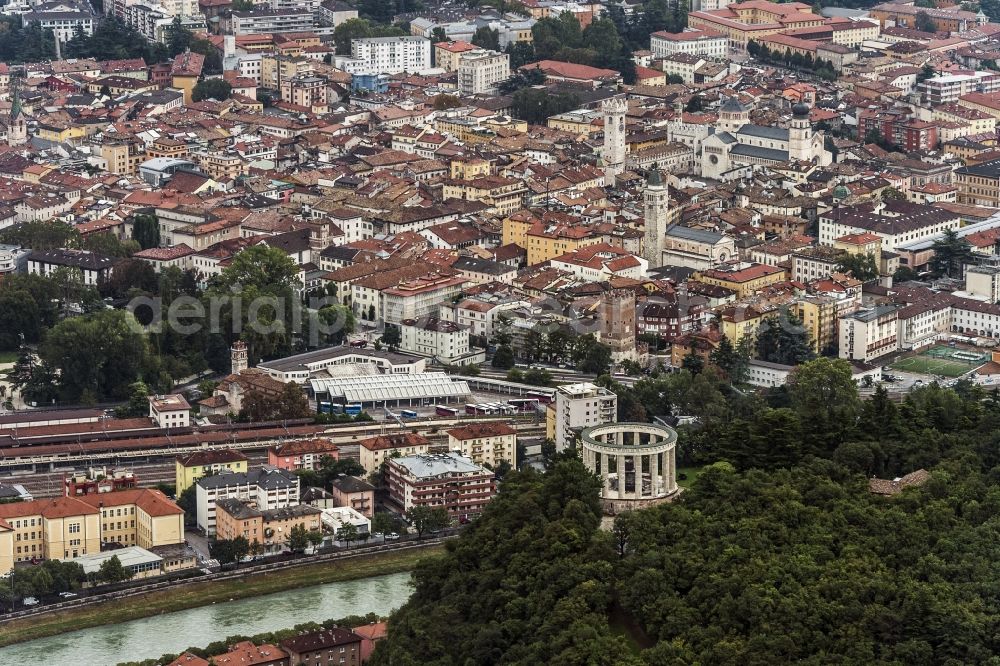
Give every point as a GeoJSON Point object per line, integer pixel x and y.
{"type": "Point", "coordinates": [777, 553]}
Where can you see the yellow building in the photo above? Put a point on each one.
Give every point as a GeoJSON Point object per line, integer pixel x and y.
{"type": "Point", "coordinates": [465, 130]}
{"type": "Point", "coordinates": [504, 195]}
{"type": "Point", "coordinates": [468, 168]}
{"type": "Point", "coordinates": [485, 443]}
{"type": "Point", "coordinates": [60, 134]}
{"type": "Point", "coordinates": [740, 322]}
{"type": "Point", "coordinates": [122, 158]}
{"type": "Point", "coordinates": [376, 450]}
{"type": "Point", "coordinates": [139, 517]}
{"type": "Point", "coordinates": [447, 55]}
{"type": "Point", "coordinates": [269, 527]}
{"type": "Point", "coordinates": [191, 467]}
{"type": "Point", "coordinates": [69, 527]}
{"type": "Point", "coordinates": [49, 529]}
{"type": "Point", "coordinates": [582, 122]}
{"type": "Point", "coordinates": [979, 120]}
{"type": "Point", "coordinates": [545, 242]}
{"type": "Point", "coordinates": [745, 281]}
{"type": "Point", "coordinates": [819, 315]}
{"type": "Point", "coordinates": [277, 68]}
{"type": "Point", "coordinates": [863, 243]}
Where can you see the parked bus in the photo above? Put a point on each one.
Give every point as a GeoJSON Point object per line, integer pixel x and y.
{"type": "Point", "coordinates": [543, 398]}
{"type": "Point", "coordinates": [352, 410]}
{"type": "Point", "coordinates": [441, 410]}
{"type": "Point", "coordinates": [408, 413]}
{"type": "Point", "coordinates": [524, 404]}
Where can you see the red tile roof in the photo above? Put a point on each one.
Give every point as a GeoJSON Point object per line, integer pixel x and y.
{"type": "Point", "coordinates": [482, 430]}
{"type": "Point", "coordinates": [571, 70]}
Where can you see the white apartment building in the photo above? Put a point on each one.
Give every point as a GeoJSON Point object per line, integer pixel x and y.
{"type": "Point", "coordinates": [90, 268]}
{"type": "Point", "coordinates": [259, 21]}
{"type": "Point", "coordinates": [249, 66]}
{"type": "Point", "coordinates": [948, 88]}
{"type": "Point", "coordinates": [868, 334]}
{"type": "Point", "coordinates": [896, 222]}
{"type": "Point", "coordinates": [480, 71]}
{"type": "Point", "coordinates": [13, 258]}
{"type": "Point", "coordinates": [922, 323]}
{"type": "Point", "coordinates": [263, 488]}
{"type": "Point", "coordinates": [980, 282]}
{"type": "Point", "coordinates": [170, 411]}
{"type": "Point", "coordinates": [706, 43]}
{"type": "Point", "coordinates": [435, 338]}
{"type": "Point", "coordinates": [767, 374]}
{"type": "Point", "coordinates": [481, 316]}
{"type": "Point", "coordinates": [63, 24]}
{"type": "Point", "coordinates": [418, 298]}
{"type": "Point", "coordinates": [392, 55]}
{"type": "Point", "coordinates": [581, 406]}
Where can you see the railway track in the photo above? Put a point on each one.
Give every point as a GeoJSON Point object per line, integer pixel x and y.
{"type": "Point", "coordinates": [57, 458]}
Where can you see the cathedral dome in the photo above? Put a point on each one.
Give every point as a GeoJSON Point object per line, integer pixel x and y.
{"type": "Point", "coordinates": [801, 109]}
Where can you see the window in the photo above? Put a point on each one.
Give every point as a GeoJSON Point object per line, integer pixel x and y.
{"type": "Point", "coordinates": [74, 528]}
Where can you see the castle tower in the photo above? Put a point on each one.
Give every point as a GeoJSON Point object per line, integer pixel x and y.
{"type": "Point", "coordinates": [800, 134]}
{"type": "Point", "coordinates": [17, 124]}
{"type": "Point", "coordinates": [239, 357]}
{"type": "Point", "coordinates": [655, 205]}
{"type": "Point", "coordinates": [618, 328]}
{"type": "Point", "coordinates": [613, 152]}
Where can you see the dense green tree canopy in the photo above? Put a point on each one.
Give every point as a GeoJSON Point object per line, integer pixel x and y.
{"type": "Point", "coordinates": [782, 555]}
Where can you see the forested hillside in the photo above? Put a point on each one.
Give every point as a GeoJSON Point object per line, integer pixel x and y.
{"type": "Point", "coordinates": [767, 559]}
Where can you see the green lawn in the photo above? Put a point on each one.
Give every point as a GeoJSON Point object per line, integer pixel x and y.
{"type": "Point", "coordinates": [210, 592]}
{"type": "Point", "coordinates": [7, 357]}
{"type": "Point", "coordinates": [929, 365]}
{"type": "Point", "coordinates": [692, 474]}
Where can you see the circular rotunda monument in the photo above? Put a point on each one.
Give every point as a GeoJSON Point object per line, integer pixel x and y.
{"type": "Point", "coordinates": [635, 462]}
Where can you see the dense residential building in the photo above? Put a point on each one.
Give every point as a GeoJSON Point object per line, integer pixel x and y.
{"type": "Point", "coordinates": [486, 444]}
{"type": "Point", "coordinates": [377, 450]}
{"type": "Point", "coordinates": [262, 488]}
{"type": "Point", "coordinates": [440, 480]}
{"type": "Point", "coordinates": [189, 468]}
{"type": "Point", "coordinates": [392, 55]}
{"type": "Point", "coordinates": [579, 406]}
{"type": "Point", "coordinates": [480, 72]}
{"type": "Point", "coordinates": [308, 454]}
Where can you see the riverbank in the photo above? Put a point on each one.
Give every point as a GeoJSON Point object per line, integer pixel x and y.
{"type": "Point", "coordinates": [194, 595]}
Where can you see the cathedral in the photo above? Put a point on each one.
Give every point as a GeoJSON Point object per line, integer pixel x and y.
{"type": "Point", "coordinates": [737, 143]}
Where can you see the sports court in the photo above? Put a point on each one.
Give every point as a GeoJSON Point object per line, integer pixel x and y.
{"type": "Point", "coordinates": [943, 361]}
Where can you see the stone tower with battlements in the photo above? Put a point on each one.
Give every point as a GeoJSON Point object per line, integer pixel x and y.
{"type": "Point", "coordinates": [613, 152]}
{"type": "Point", "coordinates": [655, 208]}
{"type": "Point", "coordinates": [618, 327]}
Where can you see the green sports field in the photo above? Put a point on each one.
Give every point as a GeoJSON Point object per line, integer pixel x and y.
{"type": "Point", "coordinates": [939, 361]}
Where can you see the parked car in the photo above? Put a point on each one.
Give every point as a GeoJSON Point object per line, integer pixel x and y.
{"type": "Point", "coordinates": [377, 535]}
{"type": "Point", "coordinates": [68, 595]}
{"type": "Point", "coordinates": [30, 601]}
{"type": "Point", "coordinates": [391, 536]}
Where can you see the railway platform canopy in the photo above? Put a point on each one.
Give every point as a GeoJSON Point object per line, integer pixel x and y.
{"type": "Point", "coordinates": [425, 388]}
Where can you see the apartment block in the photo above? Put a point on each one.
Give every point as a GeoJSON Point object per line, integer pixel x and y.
{"type": "Point", "coordinates": [440, 480]}
{"type": "Point", "coordinates": [579, 406]}
{"type": "Point", "coordinates": [392, 55]}
{"type": "Point", "coordinates": [480, 72]}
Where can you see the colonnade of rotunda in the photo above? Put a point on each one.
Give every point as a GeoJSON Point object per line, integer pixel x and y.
{"type": "Point", "coordinates": [635, 462]}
